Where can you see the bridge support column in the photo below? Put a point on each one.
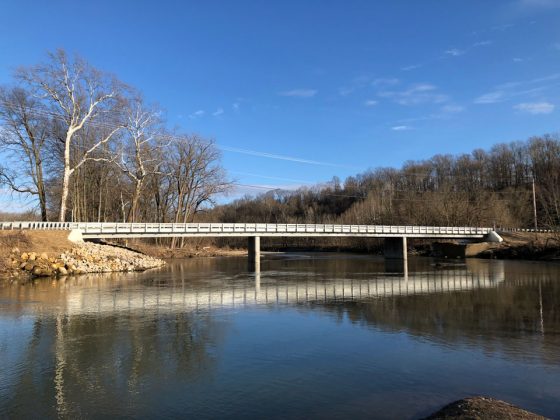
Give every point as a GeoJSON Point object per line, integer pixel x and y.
{"type": "Point", "coordinates": [254, 248]}
{"type": "Point", "coordinates": [395, 249]}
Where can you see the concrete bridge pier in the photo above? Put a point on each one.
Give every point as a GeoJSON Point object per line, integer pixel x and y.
{"type": "Point", "coordinates": [254, 248]}
{"type": "Point", "coordinates": [395, 248]}
{"type": "Point", "coordinates": [396, 255]}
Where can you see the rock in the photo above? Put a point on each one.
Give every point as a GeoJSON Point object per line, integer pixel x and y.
{"type": "Point", "coordinates": [32, 256]}
{"type": "Point", "coordinates": [15, 250]}
{"type": "Point", "coordinates": [41, 272]}
{"type": "Point", "coordinates": [29, 267]}
{"type": "Point", "coordinates": [24, 256]}
{"type": "Point", "coordinates": [44, 256]}
{"type": "Point", "coordinates": [482, 408]}
{"type": "Point", "coordinates": [62, 271]}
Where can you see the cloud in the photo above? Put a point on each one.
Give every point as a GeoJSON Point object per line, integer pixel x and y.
{"type": "Point", "coordinates": [445, 112]}
{"type": "Point", "coordinates": [506, 91]}
{"type": "Point", "coordinates": [481, 43]}
{"type": "Point", "coordinates": [490, 98]}
{"type": "Point", "coordinates": [452, 109]}
{"type": "Point", "coordinates": [556, 46]}
{"type": "Point", "coordinates": [401, 128]}
{"type": "Point", "coordinates": [411, 67]}
{"type": "Point", "coordinates": [197, 114]}
{"type": "Point", "coordinates": [455, 52]}
{"type": "Point", "coordinates": [356, 84]}
{"type": "Point", "coordinates": [517, 60]}
{"type": "Point", "coordinates": [299, 93]}
{"type": "Point", "coordinates": [417, 94]}
{"type": "Point", "coordinates": [370, 102]}
{"type": "Point", "coordinates": [535, 108]}
{"type": "Point", "coordinates": [538, 4]}
{"type": "Point", "coordinates": [236, 106]}
{"type": "Point", "coordinates": [218, 112]}
{"type": "Point", "coordinates": [384, 82]}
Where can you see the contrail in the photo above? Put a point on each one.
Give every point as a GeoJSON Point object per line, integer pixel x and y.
{"type": "Point", "coordinates": [272, 177]}
{"type": "Point", "coordinates": [281, 157]}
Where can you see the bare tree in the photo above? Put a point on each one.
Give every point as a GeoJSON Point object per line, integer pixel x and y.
{"type": "Point", "coordinates": [141, 154]}
{"type": "Point", "coordinates": [78, 94]}
{"type": "Point", "coordinates": [197, 176]}
{"type": "Point", "coordinates": [23, 136]}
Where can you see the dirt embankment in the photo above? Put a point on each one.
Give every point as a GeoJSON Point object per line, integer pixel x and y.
{"type": "Point", "coordinates": [524, 246]}
{"type": "Point", "coordinates": [189, 251]}
{"type": "Point", "coordinates": [483, 408]}
{"type": "Point", "coordinates": [25, 254]}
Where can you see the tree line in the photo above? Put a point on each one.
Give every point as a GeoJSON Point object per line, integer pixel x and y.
{"type": "Point", "coordinates": [482, 188]}
{"type": "Point", "coordinates": [89, 147]}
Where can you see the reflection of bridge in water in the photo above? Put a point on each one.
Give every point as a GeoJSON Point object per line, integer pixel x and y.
{"type": "Point", "coordinates": [105, 296]}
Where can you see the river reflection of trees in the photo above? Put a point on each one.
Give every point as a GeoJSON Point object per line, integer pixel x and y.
{"type": "Point", "coordinates": [520, 319]}
{"type": "Point", "coordinates": [89, 364]}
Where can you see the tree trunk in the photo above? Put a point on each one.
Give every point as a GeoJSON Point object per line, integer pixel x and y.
{"type": "Point", "coordinates": [65, 178]}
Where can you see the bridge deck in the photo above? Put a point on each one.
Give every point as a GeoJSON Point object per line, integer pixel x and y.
{"type": "Point", "coordinates": [130, 230]}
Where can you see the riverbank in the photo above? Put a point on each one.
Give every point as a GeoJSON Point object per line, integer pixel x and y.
{"type": "Point", "coordinates": [27, 254]}
{"type": "Point", "coordinates": [522, 246]}
{"type": "Point", "coordinates": [188, 251]}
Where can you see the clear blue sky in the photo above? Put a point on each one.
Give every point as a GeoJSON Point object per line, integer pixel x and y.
{"type": "Point", "coordinates": [349, 85]}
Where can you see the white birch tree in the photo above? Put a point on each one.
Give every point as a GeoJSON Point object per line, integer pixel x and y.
{"type": "Point", "coordinates": [77, 94]}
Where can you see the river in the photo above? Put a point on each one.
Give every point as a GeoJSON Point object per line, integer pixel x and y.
{"type": "Point", "coordinates": [317, 335]}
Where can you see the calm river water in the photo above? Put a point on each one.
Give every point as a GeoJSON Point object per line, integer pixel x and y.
{"type": "Point", "coordinates": [312, 336]}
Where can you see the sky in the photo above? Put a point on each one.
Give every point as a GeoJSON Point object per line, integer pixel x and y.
{"type": "Point", "coordinates": [296, 92]}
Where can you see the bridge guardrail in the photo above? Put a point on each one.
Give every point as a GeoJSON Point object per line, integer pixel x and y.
{"type": "Point", "coordinates": [246, 228]}
{"type": "Point", "coordinates": [527, 230]}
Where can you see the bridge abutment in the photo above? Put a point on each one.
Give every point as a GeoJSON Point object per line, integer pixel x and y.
{"type": "Point", "coordinates": [395, 248]}
{"type": "Point", "coordinates": [254, 248]}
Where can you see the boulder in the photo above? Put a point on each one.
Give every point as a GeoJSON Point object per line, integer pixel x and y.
{"type": "Point", "coordinates": [42, 272]}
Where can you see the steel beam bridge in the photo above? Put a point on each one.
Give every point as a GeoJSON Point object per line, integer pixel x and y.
{"type": "Point", "coordinates": [395, 236]}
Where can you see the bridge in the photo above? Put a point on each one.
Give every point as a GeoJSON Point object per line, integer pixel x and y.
{"type": "Point", "coordinates": [395, 236]}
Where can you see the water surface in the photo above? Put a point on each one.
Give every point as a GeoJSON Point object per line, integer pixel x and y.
{"type": "Point", "coordinates": [314, 335]}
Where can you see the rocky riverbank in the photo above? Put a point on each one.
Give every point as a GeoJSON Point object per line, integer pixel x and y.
{"type": "Point", "coordinates": [48, 254]}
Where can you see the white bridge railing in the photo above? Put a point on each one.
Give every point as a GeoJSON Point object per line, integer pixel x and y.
{"type": "Point", "coordinates": [101, 230]}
